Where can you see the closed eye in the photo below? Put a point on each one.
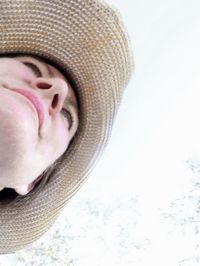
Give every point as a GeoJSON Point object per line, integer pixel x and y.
{"type": "Point", "coordinates": [36, 71]}
{"type": "Point", "coordinates": [67, 116]}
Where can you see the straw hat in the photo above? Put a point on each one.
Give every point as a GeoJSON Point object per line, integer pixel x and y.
{"type": "Point", "coordinates": [87, 41]}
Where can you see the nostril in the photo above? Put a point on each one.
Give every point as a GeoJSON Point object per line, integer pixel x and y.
{"type": "Point", "coordinates": [42, 85]}
{"type": "Point", "coordinates": [55, 101]}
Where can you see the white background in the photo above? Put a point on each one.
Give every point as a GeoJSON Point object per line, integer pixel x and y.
{"type": "Point", "coordinates": [140, 205]}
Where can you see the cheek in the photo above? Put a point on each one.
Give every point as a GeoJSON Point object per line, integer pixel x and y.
{"type": "Point", "coordinates": [16, 69]}
{"type": "Point", "coordinates": [25, 74]}
{"type": "Point", "coordinates": [62, 135]}
{"type": "Point", "coordinates": [54, 141]}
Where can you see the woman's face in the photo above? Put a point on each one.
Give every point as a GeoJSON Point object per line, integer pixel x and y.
{"type": "Point", "coordinates": [35, 128]}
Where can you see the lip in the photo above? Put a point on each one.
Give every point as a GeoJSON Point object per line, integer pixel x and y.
{"type": "Point", "coordinates": [35, 101]}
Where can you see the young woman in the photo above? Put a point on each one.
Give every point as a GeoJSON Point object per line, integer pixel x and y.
{"type": "Point", "coordinates": [51, 134]}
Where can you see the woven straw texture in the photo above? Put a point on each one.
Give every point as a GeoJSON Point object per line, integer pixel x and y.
{"type": "Point", "coordinates": [87, 40]}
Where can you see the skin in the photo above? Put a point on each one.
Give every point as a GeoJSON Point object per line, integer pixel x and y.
{"type": "Point", "coordinates": [27, 149]}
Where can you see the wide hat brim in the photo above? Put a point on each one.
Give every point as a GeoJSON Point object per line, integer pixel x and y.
{"type": "Point", "coordinates": [87, 41]}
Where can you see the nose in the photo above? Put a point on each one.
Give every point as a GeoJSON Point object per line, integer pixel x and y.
{"type": "Point", "coordinates": [53, 91]}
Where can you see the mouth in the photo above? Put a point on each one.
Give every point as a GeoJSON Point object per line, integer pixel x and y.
{"type": "Point", "coordinates": [35, 101]}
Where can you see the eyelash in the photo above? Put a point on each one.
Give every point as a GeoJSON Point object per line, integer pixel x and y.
{"type": "Point", "coordinates": [35, 69]}
{"type": "Point", "coordinates": [68, 116]}
{"type": "Point", "coordinates": [64, 111]}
